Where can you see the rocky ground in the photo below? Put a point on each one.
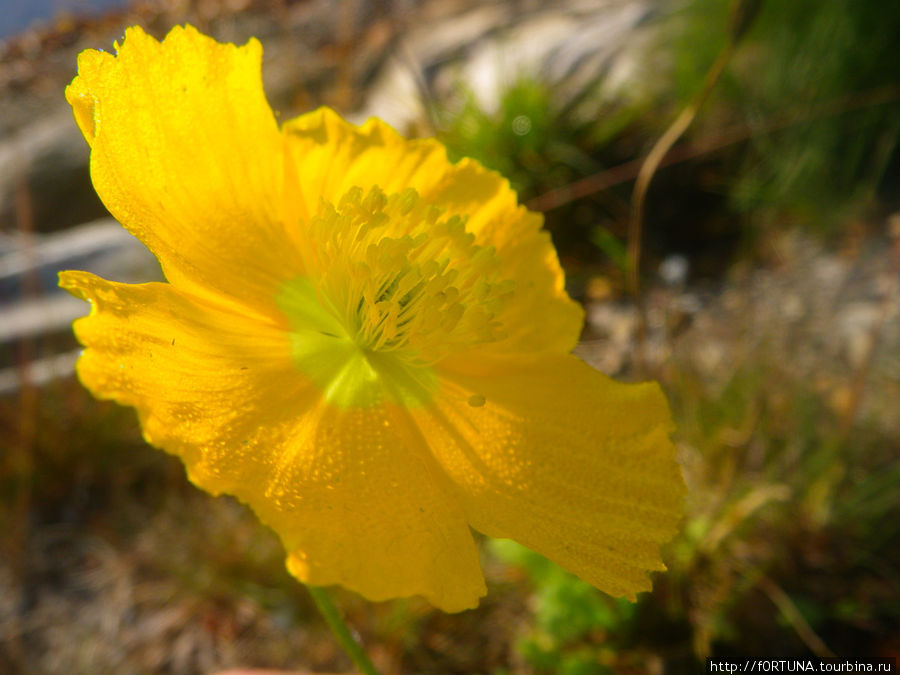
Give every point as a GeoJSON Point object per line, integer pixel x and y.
{"type": "Point", "coordinates": [823, 315]}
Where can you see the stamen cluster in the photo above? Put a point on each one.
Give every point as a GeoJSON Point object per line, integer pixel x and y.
{"type": "Point", "coordinates": [404, 278]}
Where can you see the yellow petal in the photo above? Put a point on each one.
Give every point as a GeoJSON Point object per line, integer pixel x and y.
{"type": "Point", "coordinates": [185, 152]}
{"type": "Point", "coordinates": [326, 157]}
{"type": "Point", "coordinates": [565, 461]}
{"type": "Point", "coordinates": [361, 503]}
{"type": "Point", "coordinates": [190, 367]}
{"type": "Point", "coordinates": [356, 499]}
{"type": "Point", "coordinates": [539, 316]}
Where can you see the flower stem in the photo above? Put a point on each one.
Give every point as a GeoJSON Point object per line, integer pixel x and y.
{"type": "Point", "coordinates": [341, 630]}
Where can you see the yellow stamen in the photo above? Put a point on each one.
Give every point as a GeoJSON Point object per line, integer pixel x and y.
{"type": "Point", "coordinates": [406, 284]}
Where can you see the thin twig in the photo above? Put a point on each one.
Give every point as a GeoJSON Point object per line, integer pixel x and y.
{"type": "Point", "coordinates": [622, 173]}
{"type": "Point", "coordinates": [789, 611]}
{"type": "Point", "coordinates": [655, 157]}
{"type": "Point", "coordinates": [642, 184]}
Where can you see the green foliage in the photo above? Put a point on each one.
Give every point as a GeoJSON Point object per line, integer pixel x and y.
{"type": "Point", "coordinates": [540, 145]}
{"type": "Point", "coordinates": [816, 82]}
{"type": "Point", "coordinates": [692, 38]}
{"type": "Point", "coordinates": [526, 139]}
{"type": "Point", "coordinates": [781, 500]}
{"type": "Point", "coordinates": [574, 622]}
{"type": "Point", "coordinates": [611, 246]}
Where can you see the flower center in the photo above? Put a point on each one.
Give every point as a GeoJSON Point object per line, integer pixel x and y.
{"type": "Point", "coordinates": [397, 283]}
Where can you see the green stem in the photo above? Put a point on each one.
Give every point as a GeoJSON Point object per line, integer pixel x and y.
{"type": "Point", "coordinates": [341, 630]}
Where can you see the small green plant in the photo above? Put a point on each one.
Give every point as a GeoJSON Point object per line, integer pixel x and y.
{"type": "Point", "coordinates": [576, 628]}
{"type": "Point", "coordinates": [526, 139]}
{"type": "Point", "coordinates": [541, 145]}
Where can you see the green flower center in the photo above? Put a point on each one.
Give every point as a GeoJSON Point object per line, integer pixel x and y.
{"type": "Point", "coordinates": [392, 286]}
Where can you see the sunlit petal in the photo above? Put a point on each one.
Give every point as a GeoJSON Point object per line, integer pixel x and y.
{"type": "Point", "coordinates": [186, 154]}
{"type": "Point", "coordinates": [559, 457]}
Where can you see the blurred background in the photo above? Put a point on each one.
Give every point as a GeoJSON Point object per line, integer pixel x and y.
{"type": "Point", "coordinates": [767, 306]}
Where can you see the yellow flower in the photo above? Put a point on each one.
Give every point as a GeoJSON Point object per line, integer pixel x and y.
{"type": "Point", "coordinates": [367, 344]}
